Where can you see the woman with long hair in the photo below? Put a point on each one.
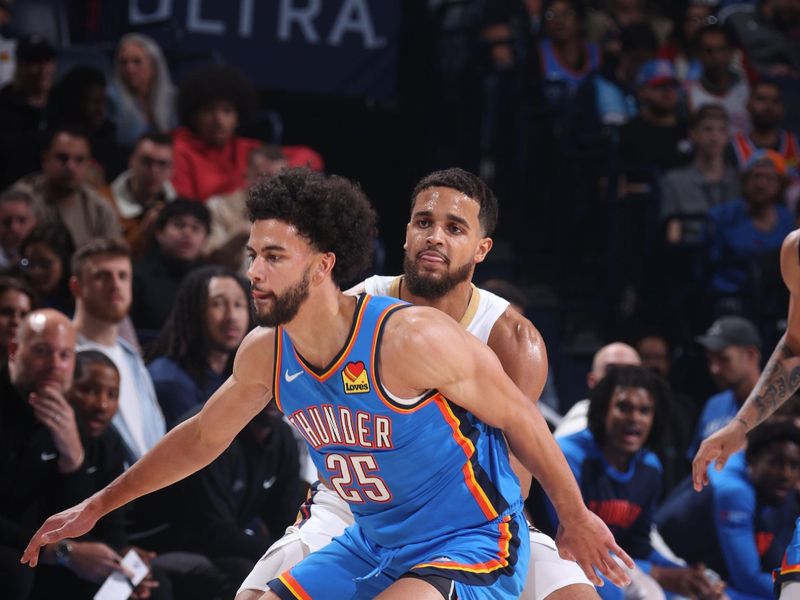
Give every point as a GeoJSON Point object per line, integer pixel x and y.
{"type": "Point", "coordinates": [141, 91]}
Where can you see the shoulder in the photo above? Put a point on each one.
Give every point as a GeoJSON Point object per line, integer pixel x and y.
{"type": "Point", "coordinates": [725, 211]}
{"type": "Point", "coordinates": [732, 485]}
{"type": "Point", "coordinates": [166, 369]}
{"type": "Point", "coordinates": [790, 261]}
{"type": "Point", "coordinates": [578, 445]}
{"type": "Point", "coordinates": [247, 145]}
{"type": "Point", "coordinates": [718, 402]}
{"type": "Point", "coordinates": [414, 333]}
{"type": "Point", "coordinates": [513, 332]}
{"type": "Point", "coordinates": [649, 459]}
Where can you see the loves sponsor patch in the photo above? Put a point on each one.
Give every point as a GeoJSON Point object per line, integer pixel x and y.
{"type": "Point", "coordinates": [354, 378]}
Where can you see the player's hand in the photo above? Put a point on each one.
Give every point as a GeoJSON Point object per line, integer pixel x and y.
{"type": "Point", "coordinates": [717, 447]}
{"type": "Point", "coordinates": [70, 523]}
{"type": "Point", "coordinates": [587, 541]}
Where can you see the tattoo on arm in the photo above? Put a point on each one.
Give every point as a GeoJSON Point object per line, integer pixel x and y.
{"type": "Point", "coordinates": [778, 382]}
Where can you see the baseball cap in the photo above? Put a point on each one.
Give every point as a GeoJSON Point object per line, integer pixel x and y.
{"type": "Point", "coordinates": [34, 48]}
{"type": "Point", "coordinates": [654, 72]}
{"type": "Point", "coordinates": [729, 331]}
{"type": "Point", "coordinates": [766, 155]}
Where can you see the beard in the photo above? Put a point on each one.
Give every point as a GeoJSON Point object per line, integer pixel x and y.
{"type": "Point", "coordinates": [108, 312]}
{"type": "Point", "coordinates": [431, 288]}
{"type": "Point", "coordinates": [285, 305]}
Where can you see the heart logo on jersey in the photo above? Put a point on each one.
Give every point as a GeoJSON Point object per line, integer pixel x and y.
{"type": "Point", "coordinates": [353, 370]}
{"type": "Point", "coordinates": [354, 378]}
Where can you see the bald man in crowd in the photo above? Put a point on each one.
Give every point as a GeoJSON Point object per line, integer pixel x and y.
{"type": "Point", "coordinates": [40, 447]}
{"type": "Point", "coordinates": [616, 353]}
{"type": "Point", "coordinates": [41, 453]}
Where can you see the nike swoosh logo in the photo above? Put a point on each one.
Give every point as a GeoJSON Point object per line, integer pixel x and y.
{"type": "Point", "coordinates": [292, 377]}
{"type": "Point", "coordinates": [269, 482]}
{"type": "Point", "coordinates": [91, 470]}
{"type": "Point", "coordinates": [48, 456]}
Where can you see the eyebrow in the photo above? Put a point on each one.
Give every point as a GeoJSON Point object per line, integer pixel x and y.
{"type": "Point", "coordinates": [268, 248]}
{"type": "Point", "coordinates": [450, 217]}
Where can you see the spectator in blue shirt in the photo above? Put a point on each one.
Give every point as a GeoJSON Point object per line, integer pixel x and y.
{"type": "Point", "coordinates": [733, 351]}
{"type": "Point", "coordinates": [743, 230]}
{"type": "Point", "coordinates": [621, 479]}
{"type": "Point", "coordinates": [740, 524]}
{"type": "Point", "coordinates": [193, 354]}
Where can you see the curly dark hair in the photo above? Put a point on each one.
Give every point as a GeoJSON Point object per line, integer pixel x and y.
{"type": "Point", "coordinates": [468, 184]}
{"type": "Point", "coordinates": [331, 212]}
{"type": "Point", "coordinates": [215, 83]}
{"type": "Point", "coordinates": [183, 338]}
{"type": "Point", "coordinates": [628, 376]}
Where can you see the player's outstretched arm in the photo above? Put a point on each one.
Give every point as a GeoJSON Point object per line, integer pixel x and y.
{"type": "Point", "coordinates": [184, 450]}
{"type": "Point", "coordinates": [424, 349]}
{"type": "Point", "coordinates": [779, 381]}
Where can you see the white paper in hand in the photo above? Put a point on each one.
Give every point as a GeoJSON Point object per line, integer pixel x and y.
{"type": "Point", "coordinates": [119, 587]}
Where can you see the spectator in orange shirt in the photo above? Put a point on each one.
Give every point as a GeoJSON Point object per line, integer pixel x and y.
{"type": "Point", "coordinates": [209, 157]}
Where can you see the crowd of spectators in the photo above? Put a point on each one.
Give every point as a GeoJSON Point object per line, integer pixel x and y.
{"type": "Point", "coordinates": [654, 164]}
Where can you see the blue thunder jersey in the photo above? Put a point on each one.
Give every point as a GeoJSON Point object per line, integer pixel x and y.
{"type": "Point", "coordinates": [411, 470]}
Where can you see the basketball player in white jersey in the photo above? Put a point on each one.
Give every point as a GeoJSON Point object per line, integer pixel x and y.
{"type": "Point", "coordinates": [778, 382]}
{"type": "Point", "coordinates": [453, 214]}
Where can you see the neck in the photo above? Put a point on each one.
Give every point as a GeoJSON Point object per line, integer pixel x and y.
{"type": "Point", "coordinates": [326, 304]}
{"type": "Point", "coordinates": [662, 119]}
{"type": "Point", "coordinates": [94, 329]}
{"type": "Point", "coordinates": [453, 303]}
{"type": "Point", "coordinates": [57, 194]}
{"type": "Point", "coordinates": [721, 81]}
{"type": "Point", "coordinates": [765, 137]}
{"type": "Point", "coordinates": [141, 196]}
{"type": "Point", "coordinates": [217, 360]}
{"type": "Point", "coordinates": [710, 165]}
{"type": "Point", "coordinates": [764, 216]}
{"type": "Point", "coordinates": [616, 458]}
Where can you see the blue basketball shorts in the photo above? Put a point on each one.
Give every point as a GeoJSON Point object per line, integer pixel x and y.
{"type": "Point", "coordinates": [486, 562]}
{"type": "Point", "coordinates": [790, 567]}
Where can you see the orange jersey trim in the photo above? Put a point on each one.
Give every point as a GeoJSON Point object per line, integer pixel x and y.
{"type": "Point", "coordinates": [469, 450]}
{"type": "Point", "coordinates": [787, 568]}
{"type": "Point", "coordinates": [485, 567]}
{"type": "Point", "coordinates": [276, 376]}
{"type": "Point", "coordinates": [295, 588]}
{"type": "Point", "coordinates": [344, 352]}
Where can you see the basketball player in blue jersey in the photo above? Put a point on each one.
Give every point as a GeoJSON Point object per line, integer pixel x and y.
{"type": "Point", "coordinates": [392, 400]}
{"type": "Point", "coordinates": [453, 215]}
{"type": "Point", "coordinates": [779, 381]}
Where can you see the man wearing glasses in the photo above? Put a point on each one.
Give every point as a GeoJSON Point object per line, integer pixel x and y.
{"type": "Point", "coordinates": [141, 192]}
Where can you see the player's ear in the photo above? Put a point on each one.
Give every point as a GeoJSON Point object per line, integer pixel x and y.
{"type": "Point", "coordinates": [325, 265]}
{"type": "Point", "coordinates": [484, 246]}
{"type": "Point", "coordinates": [408, 231]}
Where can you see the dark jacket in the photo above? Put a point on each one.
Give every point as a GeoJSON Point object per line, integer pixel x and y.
{"type": "Point", "coordinates": [32, 486]}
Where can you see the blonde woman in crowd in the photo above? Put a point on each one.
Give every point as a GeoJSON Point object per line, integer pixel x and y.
{"type": "Point", "coordinates": [141, 93]}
